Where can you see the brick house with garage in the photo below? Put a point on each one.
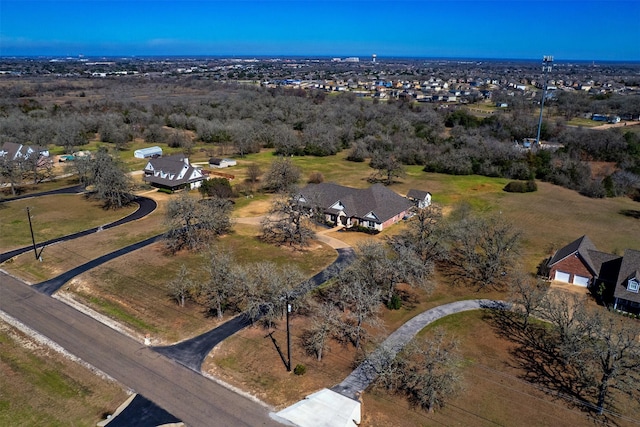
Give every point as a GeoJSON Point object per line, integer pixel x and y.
{"type": "Point", "coordinates": [616, 278]}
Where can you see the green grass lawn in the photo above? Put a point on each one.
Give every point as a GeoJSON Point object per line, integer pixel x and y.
{"type": "Point", "coordinates": [40, 387]}
{"type": "Point", "coordinates": [583, 122]}
{"type": "Point", "coordinates": [51, 217]}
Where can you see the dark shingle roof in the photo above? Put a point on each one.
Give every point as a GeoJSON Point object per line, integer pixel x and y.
{"type": "Point", "coordinates": [582, 247]}
{"type": "Point", "coordinates": [172, 166]}
{"type": "Point", "coordinates": [13, 150]}
{"type": "Point", "coordinates": [417, 194]}
{"type": "Point", "coordinates": [377, 199]}
{"type": "Point", "coordinates": [601, 260]}
{"type": "Point", "coordinates": [628, 269]}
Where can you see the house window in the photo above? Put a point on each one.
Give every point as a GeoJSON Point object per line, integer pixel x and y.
{"type": "Point", "coordinates": [371, 224]}
{"type": "Point", "coordinates": [633, 285]}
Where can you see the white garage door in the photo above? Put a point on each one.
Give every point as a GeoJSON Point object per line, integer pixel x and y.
{"type": "Point", "coordinates": [562, 277]}
{"type": "Point", "coordinates": [580, 280]}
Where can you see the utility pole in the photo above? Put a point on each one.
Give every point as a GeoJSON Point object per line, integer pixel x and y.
{"type": "Point", "coordinates": [33, 239]}
{"type": "Point", "coordinates": [288, 337]}
{"type": "Point", "coordinates": [547, 64]}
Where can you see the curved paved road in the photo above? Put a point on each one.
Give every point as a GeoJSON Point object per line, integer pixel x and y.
{"type": "Point", "coordinates": [145, 207]}
{"type": "Point", "coordinates": [366, 372]}
{"type": "Point", "coordinates": [191, 397]}
{"type": "Point", "coordinates": [49, 287]}
{"type": "Point", "coordinates": [76, 189]}
{"type": "Point", "coordinates": [192, 352]}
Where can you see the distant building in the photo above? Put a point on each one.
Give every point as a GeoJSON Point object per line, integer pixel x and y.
{"type": "Point", "coordinates": [144, 153]}
{"type": "Point", "coordinates": [215, 162]}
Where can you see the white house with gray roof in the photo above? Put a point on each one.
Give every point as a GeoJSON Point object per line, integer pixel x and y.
{"type": "Point", "coordinates": [173, 173]}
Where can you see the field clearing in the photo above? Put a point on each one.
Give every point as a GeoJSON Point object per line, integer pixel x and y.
{"type": "Point", "coordinates": [583, 122]}
{"type": "Point", "coordinates": [41, 387]}
{"type": "Point", "coordinates": [52, 216]}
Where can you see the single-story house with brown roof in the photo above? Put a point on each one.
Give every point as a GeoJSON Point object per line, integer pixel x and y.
{"type": "Point", "coordinates": [376, 207]}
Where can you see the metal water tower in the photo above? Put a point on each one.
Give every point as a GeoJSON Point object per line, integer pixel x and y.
{"type": "Point", "coordinates": [547, 64]}
{"type": "Point", "coordinates": [373, 58]}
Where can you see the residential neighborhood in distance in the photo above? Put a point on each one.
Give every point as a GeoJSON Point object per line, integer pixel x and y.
{"type": "Point", "coordinates": [310, 230]}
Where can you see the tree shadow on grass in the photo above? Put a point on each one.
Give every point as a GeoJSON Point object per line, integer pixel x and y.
{"type": "Point", "coordinates": [633, 213]}
{"type": "Point", "coordinates": [536, 354]}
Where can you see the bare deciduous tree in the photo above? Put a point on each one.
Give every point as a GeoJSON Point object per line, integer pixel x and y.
{"type": "Point", "coordinates": [615, 351]}
{"type": "Point", "coordinates": [323, 326]}
{"type": "Point", "coordinates": [111, 183]}
{"type": "Point", "coordinates": [253, 173]}
{"type": "Point", "coordinates": [282, 175]}
{"type": "Point", "coordinates": [482, 250]}
{"type": "Point", "coordinates": [287, 223]}
{"type": "Point", "coordinates": [10, 173]}
{"type": "Point", "coordinates": [387, 166]}
{"type": "Point", "coordinates": [192, 223]}
{"type": "Point", "coordinates": [180, 286]}
{"type": "Point", "coordinates": [526, 295]}
{"type": "Point", "coordinates": [221, 280]}
{"type": "Point", "coordinates": [426, 371]}
{"type": "Point", "coordinates": [423, 235]}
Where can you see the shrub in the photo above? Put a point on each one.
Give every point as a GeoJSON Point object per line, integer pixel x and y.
{"type": "Point", "coordinates": [521, 187]}
{"type": "Point", "coordinates": [165, 190]}
{"type": "Point", "coordinates": [394, 303]}
{"type": "Point", "coordinates": [300, 369]}
{"type": "Point", "coordinates": [316, 178]}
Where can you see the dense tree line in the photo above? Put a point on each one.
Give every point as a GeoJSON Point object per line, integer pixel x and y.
{"type": "Point", "coordinates": [239, 120]}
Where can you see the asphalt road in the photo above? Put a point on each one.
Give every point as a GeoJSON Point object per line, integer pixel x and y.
{"type": "Point", "coordinates": [184, 393]}
{"type": "Point", "coordinates": [145, 207]}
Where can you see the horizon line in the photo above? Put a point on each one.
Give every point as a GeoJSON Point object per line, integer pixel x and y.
{"type": "Point", "coordinates": [306, 56]}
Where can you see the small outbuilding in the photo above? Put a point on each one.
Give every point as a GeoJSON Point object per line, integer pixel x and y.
{"type": "Point", "coordinates": [145, 153]}
{"type": "Point", "coordinates": [420, 198]}
{"type": "Point", "coordinates": [215, 162]}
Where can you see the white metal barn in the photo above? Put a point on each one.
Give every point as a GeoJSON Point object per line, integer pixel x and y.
{"type": "Point", "coordinates": [144, 153]}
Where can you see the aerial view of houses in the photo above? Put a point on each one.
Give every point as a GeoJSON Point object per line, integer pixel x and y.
{"type": "Point", "coordinates": [274, 213]}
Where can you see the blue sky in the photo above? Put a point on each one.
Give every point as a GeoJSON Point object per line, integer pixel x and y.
{"type": "Point", "coordinates": [567, 29]}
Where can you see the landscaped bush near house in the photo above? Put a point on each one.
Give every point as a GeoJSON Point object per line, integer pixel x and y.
{"type": "Point", "coordinates": [521, 187]}
{"type": "Point", "coordinates": [165, 190]}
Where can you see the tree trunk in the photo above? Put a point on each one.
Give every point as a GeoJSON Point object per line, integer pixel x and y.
{"type": "Point", "coordinates": [358, 333]}
{"type": "Point", "coordinates": [602, 392]}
